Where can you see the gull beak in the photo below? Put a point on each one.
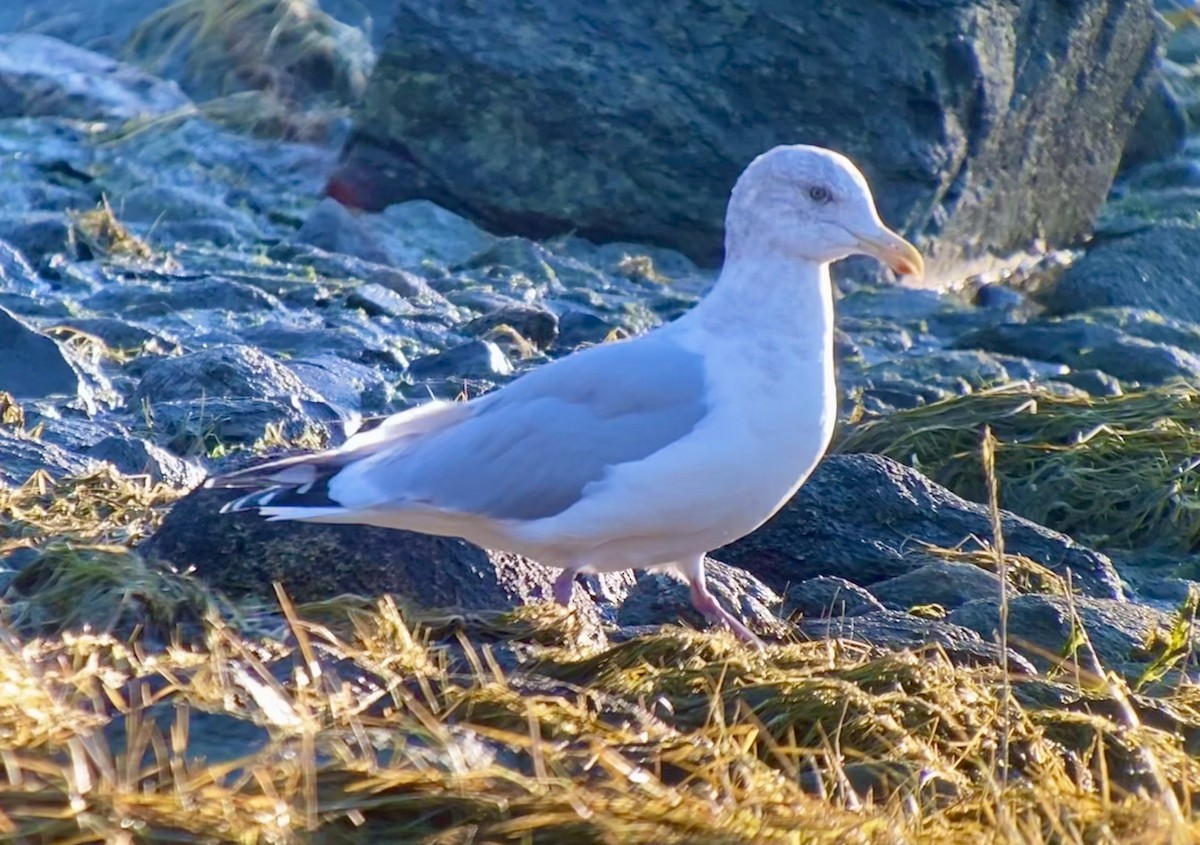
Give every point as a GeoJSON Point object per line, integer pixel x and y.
{"type": "Point", "coordinates": [892, 250]}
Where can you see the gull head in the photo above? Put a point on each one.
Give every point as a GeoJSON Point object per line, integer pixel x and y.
{"type": "Point", "coordinates": [811, 204]}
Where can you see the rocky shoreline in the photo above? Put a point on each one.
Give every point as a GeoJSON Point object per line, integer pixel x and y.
{"type": "Point", "coordinates": [178, 296]}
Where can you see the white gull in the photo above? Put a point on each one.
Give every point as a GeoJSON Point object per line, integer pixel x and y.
{"type": "Point", "coordinates": [644, 453]}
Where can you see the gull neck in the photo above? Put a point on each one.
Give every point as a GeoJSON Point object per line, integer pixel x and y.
{"type": "Point", "coordinates": [771, 296]}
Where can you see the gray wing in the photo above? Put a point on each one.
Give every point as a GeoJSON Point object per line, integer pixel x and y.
{"type": "Point", "coordinates": [531, 448]}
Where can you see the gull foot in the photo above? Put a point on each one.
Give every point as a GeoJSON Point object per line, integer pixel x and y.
{"type": "Point", "coordinates": [707, 604]}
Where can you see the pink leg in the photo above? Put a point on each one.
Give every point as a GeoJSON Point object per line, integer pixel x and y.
{"type": "Point", "coordinates": [707, 604]}
{"type": "Point", "coordinates": [564, 585]}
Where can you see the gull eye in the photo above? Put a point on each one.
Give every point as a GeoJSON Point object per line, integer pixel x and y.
{"type": "Point", "coordinates": [820, 194]}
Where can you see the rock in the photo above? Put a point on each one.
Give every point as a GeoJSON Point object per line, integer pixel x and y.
{"type": "Point", "coordinates": [477, 359]}
{"type": "Point", "coordinates": [345, 384]}
{"type": "Point", "coordinates": [119, 334]}
{"type": "Point", "coordinates": [186, 213]}
{"type": "Point", "coordinates": [40, 75]}
{"type": "Point", "coordinates": [225, 395]}
{"type": "Point", "coordinates": [22, 456]}
{"type": "Point", "coordinates": [375, 300]}
{"type": "Point", "coordinates": [204, 426]}
{"type": "Point", "coordinates": [537, 325]}
{"type": "Point", "coordinates": [827, 596]}
{"type": "Point", "coordinates": [960, 124]}
{"type": "Point", "coordinates": [1083, 344]}
{"type": "Point", "coordinates": [332, 227]}
{"type": "Point", "coordinates": [38, 235]}
{"type": "Point", "coordinates": [12, 561]}
{"type": "Point", "coordinates": [1040, 626]}
{"type": "Point", "coordinates": [143, 301]}
{"type": "Point", "coordinates": [864, 518]}
{"type": "Point", "coordinates": [16, 276]}
{"type": "Point", "coordinates": [220, 372]}
{"type": "Point", "coordinates": [413, 234]}
{"type": "Point", "coordinates": [912, 380]}
{"type": "Point", "coordinates": [242, 554]}
{"type": "Point", "coordinates": [893, 630]}
{"type": "Point", "coordinates": [76, 21]}
{"type": "Point", "coordinates": [1160, 130]}
{"type": "Point", "coordinates": [1093, 382]}
{"type": "Point", "coordinates": [34, 365]}
{"type": "Point", "coordinates": [134, 456]}
{"type": "Point", "coordinates": [659, 598]}
{"type": "Point", "coordinates": [576, 327]}
{"type": "Point", "coordinates": [1152, 268]}
{"type": "Point", "coordinates": [945, 583]}
{"type": "Point", "coordinates": [1148, 325]}
{"type": "Point", "coordinates": [412, 287]}
{"type": "Point", "coordinates": [213, 738]}
{"type": "Point", "coordinates": [307, 342]}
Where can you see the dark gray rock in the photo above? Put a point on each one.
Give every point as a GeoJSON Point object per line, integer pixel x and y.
{"type": "Point", "coordinates": [1041, 627]}
{"type": "Point", "coordinates": [477, 359]}
{"type": "Point", "coordinates": [1086, 345]}
{"type": "Point", "coordinates": [38, 235]}
{"type": "Point", "coordinates": [827, 596]}
{"type": "Point", "coordinates": [864, 518]}
{"type": "Point", "coordinates": [202, 426]}
{"type": "Point", "coordinates": [134, 456]}
{"type": "Point", "coordinates": [123, 335]}
{"type": "Point", "coordinates": [220, 372]}
{"type": "Point", "coordinates": [1152, 268]}
{"type": "Point", "coordinates": [304, 341]}
{"type": "Point", "coordinates": [213, 738]}
{"type": "Point", "coordinates": [22, 456]}
{"type": "Point", "coordinates": [409, 285]}
{"type": "Point", "coordinates": [658, 598]}
{"type": "Point", "coordinates": [16, 275]}
{"type": "Point", "coordinates": [947, 583]}
{"type": "Point", "coordinates": [1160, 130]}
{"type": "Point", "coordinates": [34, 365]}
{"type": "Point", "coordinates": [1148, 325]}
{"type": "Point", "coordinates": [76, 21]}
{"type": "Point", "coordinates": [537, 325]}
{"type": "Point", "coordinates": [157, 300]}
{"type": "Point", "coordinates": [40, 75]}
{"type": "Point", "coordinates": [332, 227]}
{"type": "Point", "coordinates": [176, 210]}
{"type": "Point", "coordinates": [375, 300]}
{"type": "Point", "coordinates": [960, 123]}
{"type": "Point", "coordinates": [345, 384]}
{"type": "Point", "coordinates": [1093, 382]}
{"type": "Point", "coordinates": [242, 554]}
{"type": "Point", "coordinates": [576, 327]}
{"type": "Point", "coordinates": [893, 630]}
{"type": "Point", "coordinates": [12, 562]}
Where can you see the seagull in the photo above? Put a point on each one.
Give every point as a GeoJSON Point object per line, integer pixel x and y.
{"type": "Point", "coordinates": [645, 453]}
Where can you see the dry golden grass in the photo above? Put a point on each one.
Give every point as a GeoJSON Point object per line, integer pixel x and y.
{"type": "Point", "coordinates": [358, 720]}
{"type": "Point", "coordinates": [1114, 471]}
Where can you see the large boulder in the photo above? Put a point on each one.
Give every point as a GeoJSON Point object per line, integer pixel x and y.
{"type": "Point", "coordinates": [869, 519]}
{"type": "Point", "coordinates": [983, 126]}
{"type": "Point", "coordinates": [1152, 267]}
{"type": "Point", "coordinates": [243, 554]}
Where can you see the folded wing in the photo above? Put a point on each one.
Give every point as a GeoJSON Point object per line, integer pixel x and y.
{"type": "Point", "coordinates": [524, 452]}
